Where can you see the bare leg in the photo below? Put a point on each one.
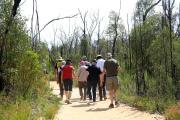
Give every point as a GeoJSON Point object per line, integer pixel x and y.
{"type": "Point", "coordinates": [69, 95]}
{"type": "Point", "coordinates": [66, 94]}
{"type": "Point", "coordinates": [80, 93]}
{"type": "Point", "coordinates": [111, 95]}
{"type": "Point", "coordinates": [115, 97]}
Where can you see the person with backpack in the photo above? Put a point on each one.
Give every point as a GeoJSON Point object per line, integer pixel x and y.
{"type": "Point", "coordinates": [111, 68]}
{"type": "Point", "coordinates": [67, 75]}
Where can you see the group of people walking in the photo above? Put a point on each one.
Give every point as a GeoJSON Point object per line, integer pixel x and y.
{"type": "Point", "coordinates": [98, 73]}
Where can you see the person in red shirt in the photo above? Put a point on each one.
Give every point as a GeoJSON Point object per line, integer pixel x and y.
{"type": "Point", "coordinates": [67, 75]}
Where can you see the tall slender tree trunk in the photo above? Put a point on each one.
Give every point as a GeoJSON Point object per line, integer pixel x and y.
{"type": "Point", "coordinates": [136, 64]}
{"type": "Point", "coordinates": [129, 47]}
{"type": "Point", "coordinates": [170, 35]}
{"type": "Point", "coordinates": [115, 37]}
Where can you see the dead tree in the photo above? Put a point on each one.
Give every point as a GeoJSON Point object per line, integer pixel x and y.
{"type": "Point", "coordinates": [83, 18]}
{"type": "Point", "coordinates": [129, 46]}
{"type": "Point", "coordinates": [116, 31]}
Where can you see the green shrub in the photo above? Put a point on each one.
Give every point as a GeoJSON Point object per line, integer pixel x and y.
{"type": "Point", "coordinates": [152, 101]}
{"type": "Point", "coordinates": [29, 74]}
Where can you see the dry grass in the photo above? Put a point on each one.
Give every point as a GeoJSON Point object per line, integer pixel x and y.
{"type": "Point", "coordinates": [173, 113]}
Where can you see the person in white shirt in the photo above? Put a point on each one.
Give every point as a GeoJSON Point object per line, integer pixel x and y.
{"type": "Point", "coordinates": [102, 91]}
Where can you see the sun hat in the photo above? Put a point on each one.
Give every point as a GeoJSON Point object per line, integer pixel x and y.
{"type": "Point", "coordinates": [98, 56]}
{"type": "Point", "coordinates": [59, 59]}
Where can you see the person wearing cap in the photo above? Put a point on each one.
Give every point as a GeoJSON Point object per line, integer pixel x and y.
{"type": "Point", "coordinates": [67, 75]}
{"type": "Point", "coordinates": [82, 75]}
{"type": "Point", "coordinates": [100, 64]}
{"type": "Point", "coordinates": [94, 73]}
{"type": "Point", "coordinates": [84, 58]}
{"type": "Point", "coordinates": [58, 67]}
{"type": "Point", "coordinates": [111, 68]}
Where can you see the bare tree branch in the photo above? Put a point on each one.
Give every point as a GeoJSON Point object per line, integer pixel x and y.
{"type": "Point", "coordinates": [172, 5]}
{"type": "Point", "coordinates": [22, 3]}
{"type": "Point", "coordinates": [147, 11]}
{"type": "Point", "coordinates": [53, 21]}
{"type": "Point", "coordinates": [94, 23]}
{"type": "Point", "coordinates": [83, 18]}
{"type": "Point", "coordinates": [15, 7]}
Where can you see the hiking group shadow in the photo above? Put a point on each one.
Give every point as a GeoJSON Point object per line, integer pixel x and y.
{"type": "Point", "coordinates": [75, 99]}
{"type": "Point", "coordinates": [97, 109]}
{"type": "Point", "coordinates": [82, 105]}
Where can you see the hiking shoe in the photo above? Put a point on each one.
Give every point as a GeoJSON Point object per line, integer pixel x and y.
{"type": "Point", "coordinates": [105, 98]}
{"type": "Point", "coordinates": [84, 99]}
{"type": "Point", "coordinates": [111, 106]}
{"type": "Point", "coordinates": [89, 102]}
{"type": "Point", "coordinates": [69, 102]}
{"type": "Point", "coordinates": [116, 103]}
{"type": "Point", "coordinates": [81, 98]}
{"type": "Point", "coordinates": [66, 101]}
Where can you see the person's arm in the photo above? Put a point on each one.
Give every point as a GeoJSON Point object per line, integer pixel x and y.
{"type": "Point", "coordinates": [56, 73]}
{"type": "Point", "coordinates": [103, 73]}
{"type": "Point", "coordinates": [101, 76]}
{"type": "Point", "coordinates": [61, 74]}
{"type": "Point", "coordinates": [78, 73]}
{"type": "Point", "coordinates": [119, 69]}
{"type": "Point", "coordinates": [73, 73]}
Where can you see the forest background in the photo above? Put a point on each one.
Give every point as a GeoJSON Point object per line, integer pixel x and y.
{"type": "Point", "coordinates": [148, 51]}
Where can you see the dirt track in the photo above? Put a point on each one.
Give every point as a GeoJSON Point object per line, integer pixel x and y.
{"type": "Point", "coordinates": [98, 110]}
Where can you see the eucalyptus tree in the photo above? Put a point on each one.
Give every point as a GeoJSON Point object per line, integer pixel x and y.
{"type": "Point", "coordinates": [144, 10]}
{"type": "Point", "coordinates": [115, 30]}
{"type": "Point", "coordinates": [84, 42]}
{"type": "Point", "coordinates": [35, 28]}
{"type": "Point", "coordinates": [90, 22]}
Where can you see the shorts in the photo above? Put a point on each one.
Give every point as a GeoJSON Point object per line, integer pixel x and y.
{"type": "Point", "coordinates": [82, 84]}
{"type": "Point", "coordinates": [68, 84]}
{"type": "Point", "coordinates": [112, 83]}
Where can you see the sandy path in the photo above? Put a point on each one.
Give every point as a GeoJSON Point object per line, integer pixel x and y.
{"type": "Point", "coordinates": [98, 111]}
